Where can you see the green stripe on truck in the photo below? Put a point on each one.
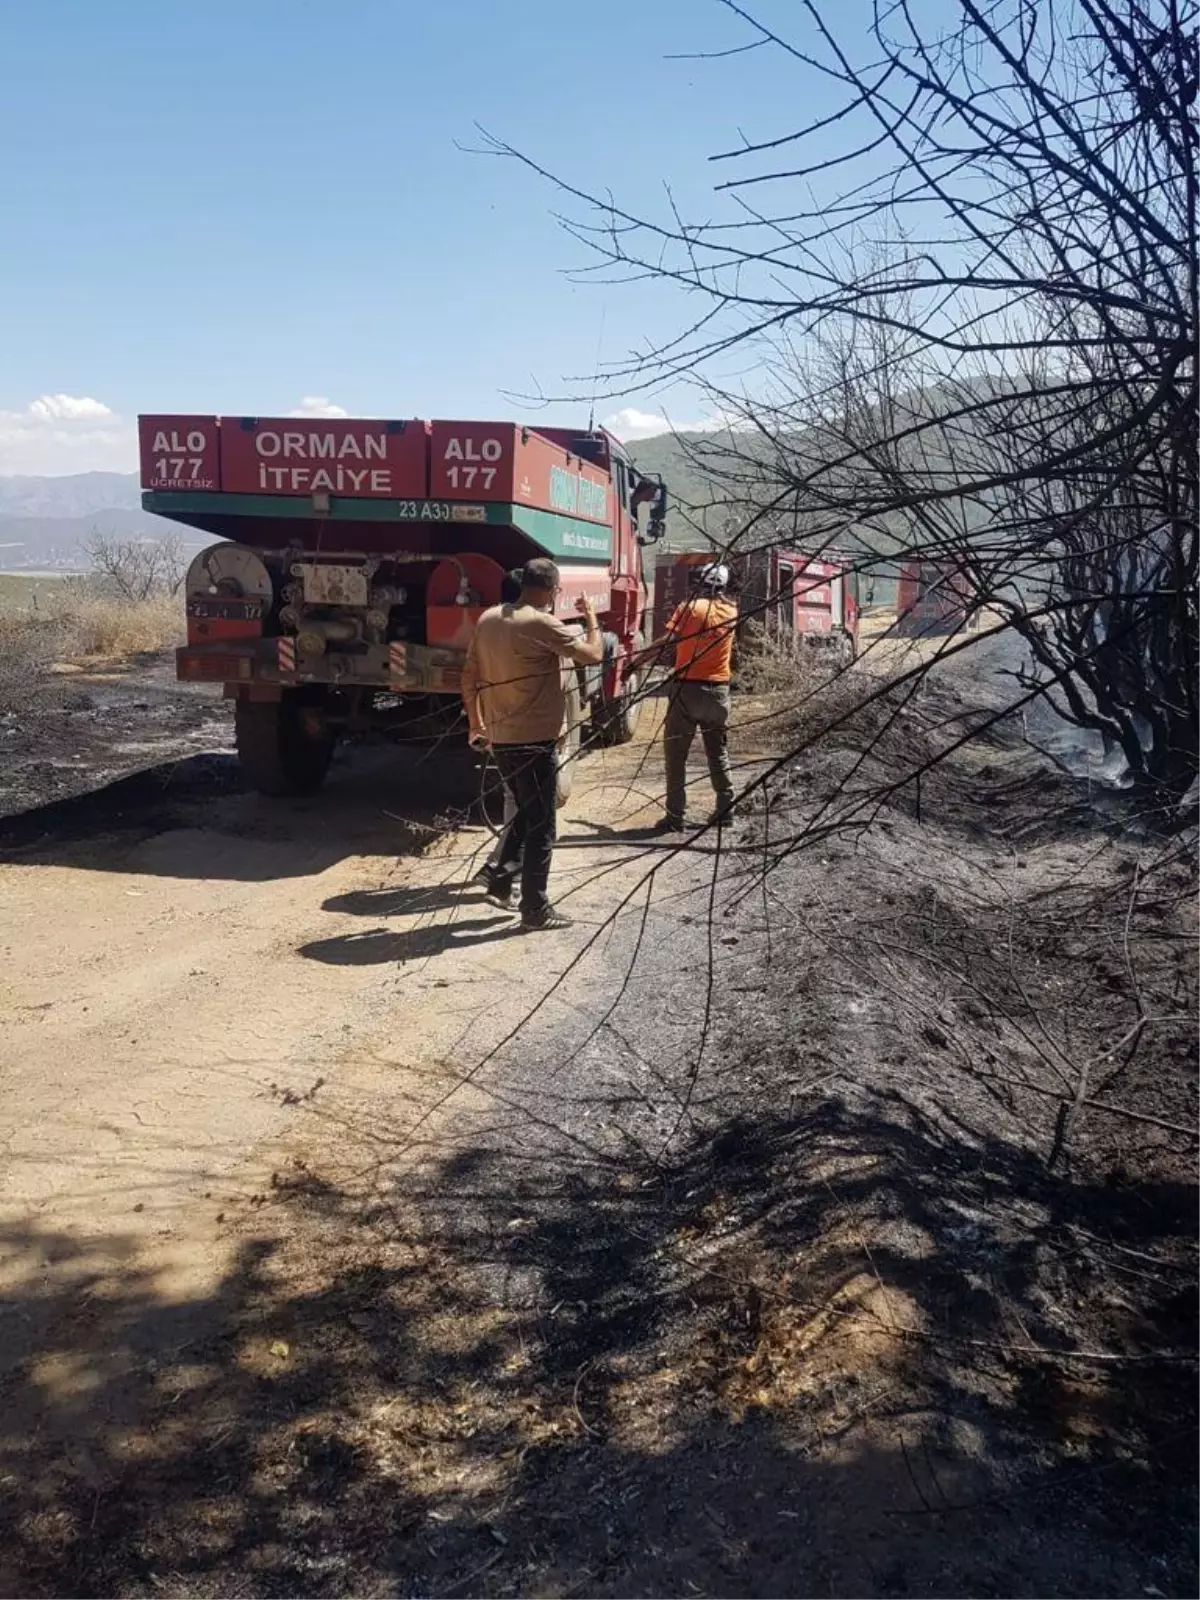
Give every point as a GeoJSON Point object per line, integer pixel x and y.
{"type": "Point", "coordinates": [567, 537]}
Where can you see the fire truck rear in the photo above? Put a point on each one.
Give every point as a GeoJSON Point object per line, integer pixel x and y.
{"type": "Point", "coordinates": [353, 558]}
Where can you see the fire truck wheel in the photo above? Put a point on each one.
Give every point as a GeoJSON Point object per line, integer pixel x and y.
{"type": "Point", "coordinates": [284, 746]}
{"type": "Point", "coordinates": [617, 720]}
{"type": "Point", "coordinates": [569, 745]}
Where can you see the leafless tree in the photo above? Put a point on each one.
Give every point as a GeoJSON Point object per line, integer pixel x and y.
{"type": "Point", "coordinates": [136, 569]}
{"type": "Point", "coordinates": [970, 295]}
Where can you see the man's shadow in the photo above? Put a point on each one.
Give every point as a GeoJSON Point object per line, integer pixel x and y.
{"type": "Point", "coordinates": [411, 900]}
{"type": "Point", "coordinates": [378, 945]}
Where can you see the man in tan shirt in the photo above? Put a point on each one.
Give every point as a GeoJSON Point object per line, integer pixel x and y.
{"type": "Point", "coordinates": [515, 697]}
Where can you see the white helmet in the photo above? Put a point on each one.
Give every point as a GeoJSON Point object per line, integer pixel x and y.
{"type": "Point", "coordinates": [714, 576]}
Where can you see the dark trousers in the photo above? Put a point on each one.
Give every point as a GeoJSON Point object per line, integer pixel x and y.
{"type": "Point", "coordinates": [691, 706]}
{"type": "Point", "coordinates": [530, 772]}
{"type": "Point", "coordinates": [510, 811]}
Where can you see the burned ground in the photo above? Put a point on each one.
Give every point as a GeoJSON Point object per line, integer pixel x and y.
{"type": "Point", "coordinates": [844, 1242]}
{"type": "Point", "coordinates": [64, 735]}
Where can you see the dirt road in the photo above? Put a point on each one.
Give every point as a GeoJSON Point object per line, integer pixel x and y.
{"type": "Point", "coordinates": [195, 966]}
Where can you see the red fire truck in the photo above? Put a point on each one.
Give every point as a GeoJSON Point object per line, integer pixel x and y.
{"type": "Point", "coordinates": [353, 559]}
{"type": "Point", "coordinates": [932, 597]}
{"type": "Point", "coordinates": [798, 601]}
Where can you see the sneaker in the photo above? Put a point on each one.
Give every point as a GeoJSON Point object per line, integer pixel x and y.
{"type": "Point", "coordinates": [543, 921]}
{"type": "Point", "coordinates": [497, 889]}
{"type": "Point", "coordinates": [668, 825]}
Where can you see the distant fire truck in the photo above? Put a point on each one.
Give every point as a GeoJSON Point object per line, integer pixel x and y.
{"type": "Point", "coordinates": [794, 600]}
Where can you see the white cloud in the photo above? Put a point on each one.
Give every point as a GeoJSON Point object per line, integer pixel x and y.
{"type": "Point", "coordinates": [631, 424]}
{"type": "Point", "coordinates": [316, 405]}
{"type": "Point", "coordinates": [68, 408]}
{"type": "Point", "coordinates": [64, 433]}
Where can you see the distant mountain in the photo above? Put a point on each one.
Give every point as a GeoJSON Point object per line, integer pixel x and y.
{"type": "Point", "coordinates": [53, 543]}
{"type": "Point", "coordinates": [77, 496]}
{"type": "Point", "coordinates": [45, 522]}
{"type": "Point", "coordinates": [716, 484]}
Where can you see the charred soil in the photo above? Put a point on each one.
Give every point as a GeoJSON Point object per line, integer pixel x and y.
{"type": "Point", "coordinates": [828, 1225]}
{"type": "Point", "coordinates": [70, 729]}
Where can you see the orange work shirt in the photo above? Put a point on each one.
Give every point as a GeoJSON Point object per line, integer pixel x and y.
{"type": "Point", "coordinates": [703, 631]}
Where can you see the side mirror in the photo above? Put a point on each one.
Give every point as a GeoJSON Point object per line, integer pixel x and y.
{"type": "Point", "coordinates": [656, 526]}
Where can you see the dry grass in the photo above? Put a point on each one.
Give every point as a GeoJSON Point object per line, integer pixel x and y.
{"type": "Point", "coordinates": [28, 645]}
{"type": "Point", "coordinates": [24, 591]}
{"type": "Point", "coordinates": [79, 622]}
{"type": "Point", "coordinates": [95, 624]}
{"type": "Point", "coordinates": [768, 667]}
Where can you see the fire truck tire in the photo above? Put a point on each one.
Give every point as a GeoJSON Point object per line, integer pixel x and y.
{"type": "Point", "coordinates": [617, 720]}
{"type": "Point", "coordinates": [282, 745]}
{"type": "Point", "coordinates": [570, 745]}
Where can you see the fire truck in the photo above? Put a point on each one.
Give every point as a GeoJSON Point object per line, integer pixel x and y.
{"type": "Point", "coordinates": [794, 600]}
{"type": "Point", "coordinates": [932, 598]}
{"type": "Point", "coordinates": [351, 560]}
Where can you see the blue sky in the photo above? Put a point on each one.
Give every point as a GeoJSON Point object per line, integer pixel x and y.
{"type": "Point", "coordinates": [239, 205]}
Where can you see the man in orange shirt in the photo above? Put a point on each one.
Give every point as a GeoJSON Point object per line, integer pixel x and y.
{"type": "Point", "coordinates": [702, 630]}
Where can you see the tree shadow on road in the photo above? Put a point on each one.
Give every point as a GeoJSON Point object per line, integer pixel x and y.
{"type": "Point", "coordinates": [792, 1360]}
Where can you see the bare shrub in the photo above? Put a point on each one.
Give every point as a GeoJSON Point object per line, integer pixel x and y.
{"type": "Point", "coordinates": [137, 569]}
{"type": "Point", "coordinates": [963, 333]}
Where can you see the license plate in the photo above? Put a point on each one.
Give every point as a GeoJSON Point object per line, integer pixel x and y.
{"type": "Point", "coordinates": [221, 610]}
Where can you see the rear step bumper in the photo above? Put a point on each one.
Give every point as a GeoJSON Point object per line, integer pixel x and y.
{"type": "Point", "coordinates": [400, 667]}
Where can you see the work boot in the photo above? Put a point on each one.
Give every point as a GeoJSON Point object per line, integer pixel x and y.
{"type": "Point", "coordinates": [668, 825]}
{"type": "Point", "coordinates": [725, 812]}
{"type": "Point", "coordinates": [544, 921]}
